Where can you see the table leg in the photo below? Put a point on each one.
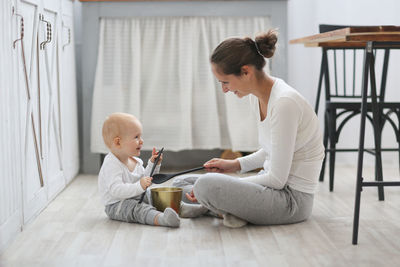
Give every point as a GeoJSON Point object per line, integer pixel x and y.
{"type": "Point", "coordinates": [377, 129]}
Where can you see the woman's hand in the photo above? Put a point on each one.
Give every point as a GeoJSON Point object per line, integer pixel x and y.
{"type": "Point", "coordinates": [191, 196]}
{"type": "Point", "coordinates": [145, 182]}
{"type": "Point", "coordinates": [222, 165]}
{"type": "Point", "coordinates": [154, 155]}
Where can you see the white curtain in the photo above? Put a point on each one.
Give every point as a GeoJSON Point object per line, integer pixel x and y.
{"type": "Point", "coordinates": [157, 68]}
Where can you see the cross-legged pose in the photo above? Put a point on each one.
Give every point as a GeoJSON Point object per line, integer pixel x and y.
{"type": "Point", "coordinates": [291, 148]}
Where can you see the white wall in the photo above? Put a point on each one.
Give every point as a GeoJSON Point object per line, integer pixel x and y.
{"type": "Point", "coordinates": [304, 16]}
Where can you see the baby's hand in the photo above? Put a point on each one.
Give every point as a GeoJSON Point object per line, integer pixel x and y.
{"type": "Point", "coordinates": [145, 182]}
{"type": "Point", "coordinates": [154, 155]}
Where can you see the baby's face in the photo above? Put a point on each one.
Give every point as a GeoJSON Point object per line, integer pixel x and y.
{"type": "Point", "coordinates": [131, 140]}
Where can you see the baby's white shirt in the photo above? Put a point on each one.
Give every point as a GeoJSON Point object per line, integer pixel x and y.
{"type": "Point", "coordinates": [116, 182]}
{"type": "Point", "coordinates": [291, 150]}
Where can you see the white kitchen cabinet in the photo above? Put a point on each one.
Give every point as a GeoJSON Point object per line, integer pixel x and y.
{"type": "Point", "coordinates": [40, 108]}
{"type": "Point", "coordinates": [30, 103]}
{"type": "Point", "coordinates": [68, 95]}
{"type": "Point", "coordinates": [49, 60]}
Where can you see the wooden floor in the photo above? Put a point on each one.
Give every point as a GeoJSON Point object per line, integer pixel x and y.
{"type": "Point", "coordinates": [74, 231]}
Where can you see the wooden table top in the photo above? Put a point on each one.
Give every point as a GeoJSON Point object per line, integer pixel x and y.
{"type": "Point", "coordinates": [355, 36]}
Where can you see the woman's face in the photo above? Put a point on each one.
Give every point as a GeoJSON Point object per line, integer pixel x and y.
{"type": "Point", "coordinates": [236, 84]}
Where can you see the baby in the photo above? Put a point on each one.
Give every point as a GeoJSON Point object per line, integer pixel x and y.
{"type": "Point", "coordinates": [122, 177]}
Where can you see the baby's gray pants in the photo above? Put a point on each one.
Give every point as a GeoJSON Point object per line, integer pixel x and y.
{"type": "Point", "coordinates": [129, 210]}
{"type": "Point", "coordinates": [249, 201]}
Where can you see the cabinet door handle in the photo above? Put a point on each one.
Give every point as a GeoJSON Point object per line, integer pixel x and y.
{"type": "Point", "coordinates": [22, 27]}
{"type": "Point", "coordinates": [48, 31]}
{"type": "Point", "coordinates": [69, 35]}
{"type": "Point", "coordinates": [21, 38]}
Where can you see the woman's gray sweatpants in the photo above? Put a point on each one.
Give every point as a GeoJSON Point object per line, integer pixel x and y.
{"type": "Point", "coordinates": [249, 201]}
{"type": "Point", "coordinates": [129, 210]}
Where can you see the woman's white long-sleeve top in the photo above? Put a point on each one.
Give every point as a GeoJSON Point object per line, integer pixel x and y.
{"type": "Point", "coordinates": [291, 150]}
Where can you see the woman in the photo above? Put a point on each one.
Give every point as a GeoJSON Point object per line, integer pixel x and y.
{"type": "Point", "coordinates": [291, 150]}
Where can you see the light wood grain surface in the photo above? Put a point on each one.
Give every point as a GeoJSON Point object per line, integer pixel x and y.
{"type": "Point", "coordinates": [74, 231]}
{"type": "Point", "coordinates": [355, 37]}
{"type": "Point", "coordinates": [341, 34]}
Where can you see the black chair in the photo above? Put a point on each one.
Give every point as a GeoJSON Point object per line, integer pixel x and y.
{"type": "Point", "coordinates": [343, 102]}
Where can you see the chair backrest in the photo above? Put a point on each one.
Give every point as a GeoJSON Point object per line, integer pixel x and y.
{"type": "Point", "coordinates": [345, 66]}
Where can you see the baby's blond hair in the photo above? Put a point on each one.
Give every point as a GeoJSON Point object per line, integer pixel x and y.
{"type": "Point", "coordinates": [115, 125]}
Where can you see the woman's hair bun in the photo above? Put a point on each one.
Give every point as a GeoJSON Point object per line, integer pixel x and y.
{"type": "Point", "coordinates": [266, 43]}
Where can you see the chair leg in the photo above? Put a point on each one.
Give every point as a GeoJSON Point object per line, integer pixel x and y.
{"type": "Point", "coordinates": [332, 155]}
{"type": "Point", "coordinates": [322, 173]}
{"type": "Point", "coordinates": [378, 165]}
{"type": "Point", "coordinates": [397, 112]}
{"type": "Point", "coordinates": [378, 177]}
{"type": "Point", "coordinates": [332, 147]}
{"type": "Point", "coordinates": [399, 157]}
{"type": "Point", "coordinates": [378, 154]}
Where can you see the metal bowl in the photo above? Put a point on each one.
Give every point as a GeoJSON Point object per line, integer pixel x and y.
{"type": "Point", "coordinates": [167, 197]}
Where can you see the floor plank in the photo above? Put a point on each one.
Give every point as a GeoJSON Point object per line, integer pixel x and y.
{"type": "Point", "coordinates": [74, 231]}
